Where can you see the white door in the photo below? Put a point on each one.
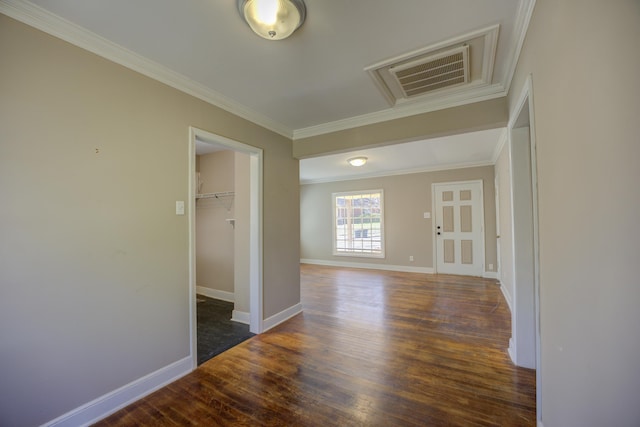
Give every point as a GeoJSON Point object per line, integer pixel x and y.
{"type": "Point", "coordinates": [458, 230]}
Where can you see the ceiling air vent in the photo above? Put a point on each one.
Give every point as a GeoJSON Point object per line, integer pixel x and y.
{"type": "Point", "coordinates": [440, 72]}
{"type": "Point", "coordinates": [446, 69]}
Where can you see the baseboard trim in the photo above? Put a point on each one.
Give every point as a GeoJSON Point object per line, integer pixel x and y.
{"type": "Point", "coordinates": [490, 275]}
{"type": "Point", "coordinates": [241, 317]}
{"type": "Point", "coordinates": [512, 352]}
{"type": "Point", "coordinates": [216, 294]}
{"type": "Point", "coordinates": [370, 266]}
{"type": "Point", "coordinates": [506, 296]}
{"type": "Point", "coordinates": [111, 402]}
{"type": "Point", "coordinates": [284, 315]}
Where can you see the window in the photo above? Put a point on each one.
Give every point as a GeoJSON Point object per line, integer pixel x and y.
{"type": "Point", "coordinates": [358, 226]}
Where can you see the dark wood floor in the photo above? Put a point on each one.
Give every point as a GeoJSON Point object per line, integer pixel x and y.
{"type": "Point", "coordinates": [372, 348]}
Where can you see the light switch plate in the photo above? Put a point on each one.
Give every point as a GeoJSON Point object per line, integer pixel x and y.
{"type": "Point", "coordinates": [179, 207]}
{"type": "Point", "coordinates": [427, 215]}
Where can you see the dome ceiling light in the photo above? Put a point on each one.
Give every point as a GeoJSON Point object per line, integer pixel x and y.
{"type": "Point", "coordinates": [357, 161]}
{"type": "Point", "coordinates": [273, 19]}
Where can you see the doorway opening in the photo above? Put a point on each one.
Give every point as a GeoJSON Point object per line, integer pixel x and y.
{"type": "Point", "coordinates": [233, 233]}
{"type": "Point", "coordinates": [524, 346]}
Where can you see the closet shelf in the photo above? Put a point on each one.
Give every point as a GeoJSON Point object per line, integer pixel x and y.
{"type": "Point", "coordinates": [220, 195]}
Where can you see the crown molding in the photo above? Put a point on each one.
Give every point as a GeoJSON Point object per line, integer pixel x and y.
{"type": "Point", "coordinates": [398, 172]}
{"type": "Point", "coordinates": [498, 149]}
{"type": "Point", "coordinates": [52, 24]}
{"type": "Point", "coordinates": [462, 97]}
{"type": "Point", "coordinates": [43, 20]}
{"type": "Point", "coordinates": [523, 18]}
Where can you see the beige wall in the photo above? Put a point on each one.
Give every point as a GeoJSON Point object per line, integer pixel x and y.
{"type": "Point", "coordinates": [584, 60]}
{"type": "Point", "coordinates": [483, 115]}
{"type": "Point", "coordinates": [241, 232]}
{"type": "Point", "coordinates": [93, 260]}
{"type": "Point", "coordinates": [214, 235]}
{"type": "Point", "coordinates": [503, 178]}
{"type": "Point", "coordinates": [407, 233]}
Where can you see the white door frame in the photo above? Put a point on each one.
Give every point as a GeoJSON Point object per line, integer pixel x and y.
{"type": "Point", "coordinates": [496, 190]}
{"type": "Point", "coordinates": [521, 117]}
{"type": "Point", "coordinates": [483, 228]}
{"type": "Point", "coordinates": [256, 324]}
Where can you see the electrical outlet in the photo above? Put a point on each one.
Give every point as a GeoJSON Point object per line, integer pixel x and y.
{"type": "Point", "coordinates": [490, 267]}
{"type": "Point", "coordinates": [411, 258]}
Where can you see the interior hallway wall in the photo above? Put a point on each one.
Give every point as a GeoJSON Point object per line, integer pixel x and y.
{"type": "Point", "coordinates": [215, 235]}
{"type": "Point", "coordinates": [241, 232]}
{"type": "Point", "coordinates": [407, 232]}
{"type": "Point", "coordinates": [94, 267]}
{"type": "Point", "coordinates": [503, 176]}
{"type": "Point", "coordinates": [584, 60]}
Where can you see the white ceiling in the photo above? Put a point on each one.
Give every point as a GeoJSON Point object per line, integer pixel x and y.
{"type": "Point", "coordinates": [464, 150]}
{"type": "Point", "coordinates": [311, 83]}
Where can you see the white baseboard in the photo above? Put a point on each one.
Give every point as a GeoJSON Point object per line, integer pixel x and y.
{"type": "Point", "coordinates": [278, 318]}
{"type": "Point", "coordinates": [216, 294]}
{"type": "Point", "coordinates": [507, 297]}
{"type": "Point", "coordinates": [371, 266]}
{"type": "Point", "coordinates": [490, 275]}
{"type": "Point", "coordinates": [111, 402]}
{"type": "Point", "coordinates": [241, 317]}
{"type": "Point", "coordinates": [512, 352]}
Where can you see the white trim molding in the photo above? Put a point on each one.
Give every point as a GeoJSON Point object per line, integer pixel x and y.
{"type": "Point", "coordinates": [478, 94]}
{"type": "Point", "coordinates": [512, 352]}
{"type": "Point", "coordinates": [56, 26]}
{"type": "Point", "coordinates": [63, 29]}
{"type": "Point", "coordinates": [111, 402]}
{"type": "Point", "coordinates": [523, 17]}
{"type": "Point", "coordinates": [526, 98]}
{"type": "Point", "coordinates": [399, 172]}
{"type": "Point", "coordinates": [507, 297]}
{"type": "Point", "coordinates": [215, 294]}
{"type": "Point", "coordinates": [490, 275]}
{"type": "Point", "coordinates": [255, 230]}
{"type": "Point", "coordinates": [240, 317]}
{"type": "Point", "coordinates": [504, 136]}
{"type": "Point", "coordinates": [283, 316]}
{"type": "Point", "coordinates": [369, 266]}
{"type": "Point", "coordinates": [483, 93]}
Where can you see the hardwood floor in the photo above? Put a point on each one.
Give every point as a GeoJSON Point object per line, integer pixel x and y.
{"type": "Point", "coordinates": [372, 348]}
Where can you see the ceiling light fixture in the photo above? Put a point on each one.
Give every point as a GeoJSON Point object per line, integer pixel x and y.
{"type": "Point", "coordinates": [357, 161]}
{"type": "Point", "coordinates": [273, 19]}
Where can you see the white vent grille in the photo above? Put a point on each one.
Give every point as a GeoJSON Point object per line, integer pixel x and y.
{"type": "Point", "coordinates": [447, 69]}
{"type": "Point", "coordinates": [441, 71]}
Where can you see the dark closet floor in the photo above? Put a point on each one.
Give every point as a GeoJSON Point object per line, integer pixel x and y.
{"type": "Point", "coordinates": [216, 331]}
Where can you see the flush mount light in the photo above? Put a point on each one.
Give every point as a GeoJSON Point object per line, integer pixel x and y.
{"type": "Point", "coordinates": [273, 19]}
{"type": "Point", "coordinates": [357, 161]}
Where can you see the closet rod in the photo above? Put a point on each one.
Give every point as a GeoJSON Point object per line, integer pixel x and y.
{"type": "Point", "coordinates": [220, 195]}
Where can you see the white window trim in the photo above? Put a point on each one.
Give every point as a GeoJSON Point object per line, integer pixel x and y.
{"type": "Point", "coordinates": [382, 227]}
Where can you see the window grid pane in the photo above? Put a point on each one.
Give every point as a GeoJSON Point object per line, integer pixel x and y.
{"type": "Point", "coordinates": [358, 226]}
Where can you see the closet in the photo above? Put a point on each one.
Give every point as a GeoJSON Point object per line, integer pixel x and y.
{"type": "Point", "coordinates": [222, 210]}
